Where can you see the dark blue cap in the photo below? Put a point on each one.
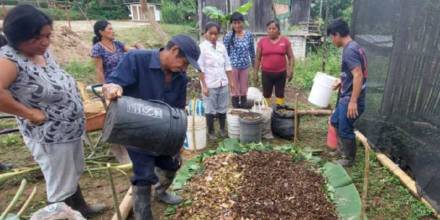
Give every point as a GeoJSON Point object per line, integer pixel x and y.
{"type": "Point", "coordinates": [189, 48]}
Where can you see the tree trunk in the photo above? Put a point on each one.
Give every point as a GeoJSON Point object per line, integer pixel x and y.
{"type": "Point", "coordinates": [149, 16]}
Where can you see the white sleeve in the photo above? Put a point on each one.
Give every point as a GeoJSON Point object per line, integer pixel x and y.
{"type": "Point", "coordinates": [228, 66]}
{"type": "Point", "coordinates": [201, 60]}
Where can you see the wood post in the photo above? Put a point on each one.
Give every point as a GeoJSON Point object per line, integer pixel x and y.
{"type": "Point", "coordinates": [364, 141]}
{"type": "Point", "coordinates": [149, 16]}
{"type": "Point", "coordinates": [296, 121]}
{"type": "Point", "coordinates": [125, 206]}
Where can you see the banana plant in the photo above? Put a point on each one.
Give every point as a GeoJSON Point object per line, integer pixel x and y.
{"type": "Point", "coordinates": [219, 16]}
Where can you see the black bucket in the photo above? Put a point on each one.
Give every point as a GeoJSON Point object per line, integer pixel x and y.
{"type": "Point", "coordinates": [251, 127]}
{"type": "Point", "coordinates": [152, 125]}
{"type": "Point", "coordinates": [283, 122]}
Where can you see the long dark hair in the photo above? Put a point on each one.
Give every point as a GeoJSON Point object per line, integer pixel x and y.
{"type": "Point", "coordinates": [3, 40]}
{"type": "Point", "coordinates": [236, 16]}
{"type": "Point", "coordinates": [99, 26]}
{"type": "Point", "coordinates": [209, 25]}
{"type": "Point", "coordinates": [23, 23]}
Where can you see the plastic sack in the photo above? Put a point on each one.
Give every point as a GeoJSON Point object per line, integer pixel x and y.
{"type": "Point", "coordinates": [57, 211]}
{"type": "Point", "coordinates": [254, 94]}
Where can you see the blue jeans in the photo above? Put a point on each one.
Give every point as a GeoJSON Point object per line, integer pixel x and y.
{"type": "Point", "coordinates": [144, 164]}
{"type": "Point", "coordinates": [343, 124]}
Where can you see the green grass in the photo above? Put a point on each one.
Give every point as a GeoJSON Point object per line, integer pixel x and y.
{"type": "Point", "coordinates": [82, 71]}
{"type": "Point", "coordinates": [305, 70]}
{"type": "Point", "coordinates": [387, 197]}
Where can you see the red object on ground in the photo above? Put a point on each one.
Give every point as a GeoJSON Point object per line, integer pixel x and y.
{"type": "Point", "coordinates": [332, 138]}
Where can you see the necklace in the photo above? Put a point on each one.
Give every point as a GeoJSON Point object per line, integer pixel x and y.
{"type": "Point", "coordinates": [111, 48]}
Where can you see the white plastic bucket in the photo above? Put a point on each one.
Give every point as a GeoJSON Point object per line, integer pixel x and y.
{"type": "Point", "coordinates": [234, 123]}
{"type": "Point", "coordinates": [321, 90]}
{"type": "Point", "coordinates": [197, 130]}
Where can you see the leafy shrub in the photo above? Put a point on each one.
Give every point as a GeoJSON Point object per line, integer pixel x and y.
{"type": "Point", "coordinates": [178, 11]}
{"type": "Point", "coordinates": [305, 70]}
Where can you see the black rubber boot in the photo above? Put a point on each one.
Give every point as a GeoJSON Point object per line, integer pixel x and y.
{"type": "Point", "coordinates": [142, 202]}
{"type": "Point", "coordinates": [244, 104]}
{"type": "Point", "coordinates": [166, 178]}
{"type": "Point", "coordinates": [348, 152]}
{"type": "Point", "coordinates": [222, 122]}
{"type": "Point", "coordinates": [210, 125]}
{"type": "Point", "coordinates": [77, 202]}
{"type": "Point", "coordinates": [235, 102]}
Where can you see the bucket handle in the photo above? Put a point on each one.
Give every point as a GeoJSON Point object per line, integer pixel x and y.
{"type": "Point", "coordinates": [172, 110]}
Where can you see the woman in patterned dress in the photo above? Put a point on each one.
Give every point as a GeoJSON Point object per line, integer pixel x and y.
{"type": "Point", "coordinates": [106, 51]}
{"type": "Point", "coordinates": [46, 103]}
{"type": "Point", "coordinates": [241, 51]}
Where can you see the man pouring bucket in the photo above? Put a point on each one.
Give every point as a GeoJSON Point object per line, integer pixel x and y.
{"type": "Point", "coordinates": [154, 75]}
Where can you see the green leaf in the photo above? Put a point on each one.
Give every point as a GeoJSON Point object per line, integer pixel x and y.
{"type": "Point", "coordinates": [245, 8]}
{"type": "Point", "coordinates": [336, 175]}
{"type": "Point", "coordinates": [170, 210]}
{"type": "Point", "coordinates": [348, 202]}
{"type": "Point", "coordinates": [213, 12]}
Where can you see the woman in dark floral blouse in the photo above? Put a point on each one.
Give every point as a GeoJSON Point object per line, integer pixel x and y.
{"type": "Point", "coordinates": [106, 51]}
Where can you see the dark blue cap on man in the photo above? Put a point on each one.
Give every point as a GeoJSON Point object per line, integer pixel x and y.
{"type": "Point", "coordinates": [189, 48]}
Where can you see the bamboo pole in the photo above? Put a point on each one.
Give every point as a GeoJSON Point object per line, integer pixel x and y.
{"type": "Point", "coordinates": [126, 205]}
{"type": "Point", "coordinates": [364, 141]}
{"type": "Point", "coordinates": [14, 200]}
{"type": "Point", "coordinates": [406, 180]}
{"type": "Point", "coordinates": [114, 195]}
{"type": "Point", "coordinates": [28, 201]}
{"type": "Point", "coordinates": [315, 112]}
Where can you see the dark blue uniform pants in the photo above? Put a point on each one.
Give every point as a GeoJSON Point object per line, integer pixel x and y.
{"type": "Point", "coordinates": [144, 164]}
{"type": "Point", "coordinates": [343, 124]}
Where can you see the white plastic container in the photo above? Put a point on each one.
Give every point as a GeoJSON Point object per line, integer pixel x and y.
{"type": "Point", "coordinates": [234, 123]}
{"type": "Point", "coordinates": [197, 129]}
{"type": "Point", "coordinates": [322, 90]}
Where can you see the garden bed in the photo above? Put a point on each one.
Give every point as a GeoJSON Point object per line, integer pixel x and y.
{"type": "Point", "coordinates": [261, 181]}
{"type": "Point", "coordinates": [256, 185]}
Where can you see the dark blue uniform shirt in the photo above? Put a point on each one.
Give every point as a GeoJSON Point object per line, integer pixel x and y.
{"type": "Point", "coordinates": [140, 75]}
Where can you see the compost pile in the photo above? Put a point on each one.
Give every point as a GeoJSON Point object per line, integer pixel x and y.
{"type": "Point", "coordinates": [256, 185]}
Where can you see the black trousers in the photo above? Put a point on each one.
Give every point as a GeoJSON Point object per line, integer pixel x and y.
{"type": "Point", "coordinates": [271, 80]}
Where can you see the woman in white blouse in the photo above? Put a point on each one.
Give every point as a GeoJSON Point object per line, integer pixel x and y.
{"type": "Point", "coordinates": [216, 77]}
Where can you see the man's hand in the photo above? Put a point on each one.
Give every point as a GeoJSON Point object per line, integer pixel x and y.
{"type": "Point", "coordinates": [112, 91]}
{"type": "Point", "coordinates": [337, 84]}
{"type": "Point", "coordinates": [205, 91]}
{"type": "Point", "coordinates": [289, 75]}
{"type": "Point", "coordinates": [36, 116]}
{"type": "Point", "coordinates": [352, 111]}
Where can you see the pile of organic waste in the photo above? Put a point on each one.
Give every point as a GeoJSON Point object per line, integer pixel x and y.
{"type": "Point", "coordinates": [256, 185]}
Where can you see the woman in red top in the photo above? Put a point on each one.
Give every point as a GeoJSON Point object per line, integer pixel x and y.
{"type": "Point", "coordinates": [275, 56]}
